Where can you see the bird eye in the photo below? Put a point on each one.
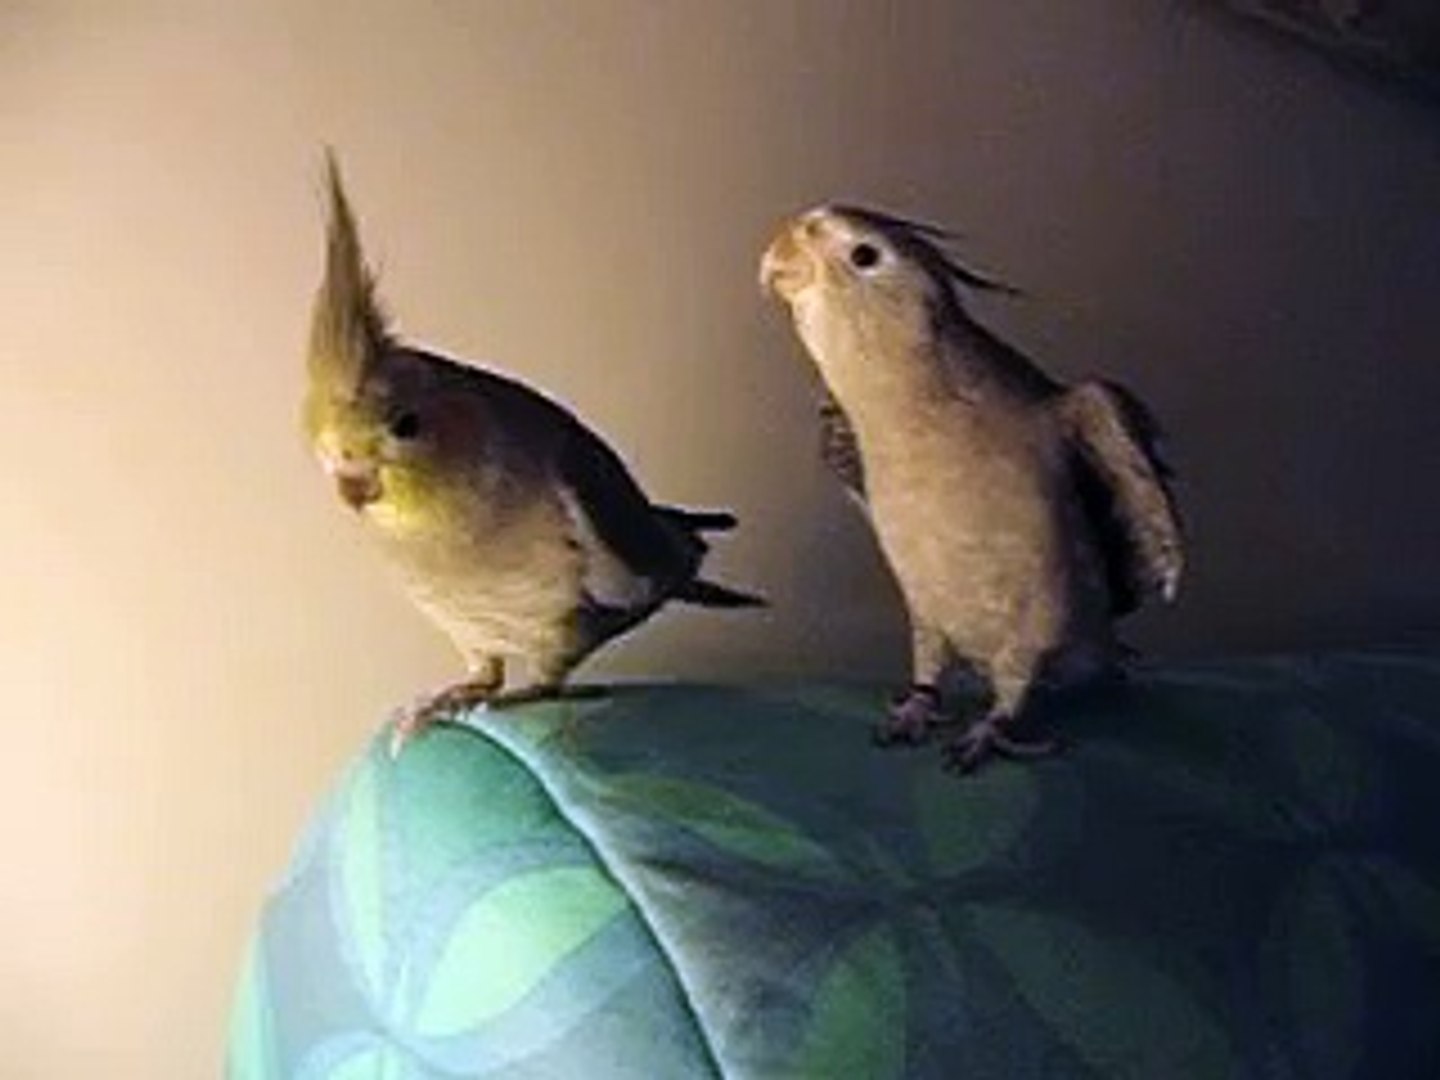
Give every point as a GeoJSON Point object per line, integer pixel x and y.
{"type": "Point", "coordinates": [864, 256]}
{"type": "Point", "coordinates": [404, 426]}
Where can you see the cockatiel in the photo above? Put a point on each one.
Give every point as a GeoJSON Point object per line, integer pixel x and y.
{"type": "Point", "coordinates": [1020, 517]}
{"type": "Point", "coordinates": [513, 527]}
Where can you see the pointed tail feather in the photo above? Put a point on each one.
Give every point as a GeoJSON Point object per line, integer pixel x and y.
{"type": "Point", "coordinates": [699, 520]}
{"type": "Point", "coordinates": [707, 594]}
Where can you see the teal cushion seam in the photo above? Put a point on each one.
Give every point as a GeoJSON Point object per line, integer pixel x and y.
{"type": "Point", "coordinates": [500, 735]}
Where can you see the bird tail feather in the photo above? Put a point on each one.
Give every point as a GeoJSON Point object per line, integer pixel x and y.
{"type": "Point", "coordinates": [699, 521]}
{"type": "Point", "coordinates": [704, 593]}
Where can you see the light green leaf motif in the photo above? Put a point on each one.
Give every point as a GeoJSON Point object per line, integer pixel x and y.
{"type": "Point", "coordinates": [857, 1021]}
{"type": "Point", "coordinates": [1324, 974]}
{"type": "Point", "coordinates": [729, 822]}
{"type": "Point", "coordinates": [1332, 769]}
{"type": "Point", "coordinates": [375, 1064]}
{"type": "Point", "coordinates": [1123, 1017]}
{"type": "Point", "coordinates": [509, 939]}
{"type": "Point", "coordinates": [361, 876]}
{"type": "Point", "coordinates": [966, 825]}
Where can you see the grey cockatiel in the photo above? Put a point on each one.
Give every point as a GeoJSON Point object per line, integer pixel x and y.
{"type": "Point", "coordinates": [513, 527]}
{"type": "Point", "coordinates": [1019, 516]}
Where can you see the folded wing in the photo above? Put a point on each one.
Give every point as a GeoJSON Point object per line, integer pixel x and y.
{"type": "Point", "coordinates": [1125, 486]}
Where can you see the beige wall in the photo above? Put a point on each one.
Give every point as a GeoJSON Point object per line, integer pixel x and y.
{"type": "Point", "coordinates": [196, 638]}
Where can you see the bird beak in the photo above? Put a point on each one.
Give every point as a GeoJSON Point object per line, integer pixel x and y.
{"type": "Point", "coordinates": [358, 485]}
{"type": "Point", "coordinates": [786, 267]}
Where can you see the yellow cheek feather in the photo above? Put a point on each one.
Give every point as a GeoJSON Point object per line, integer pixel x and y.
{"type": "Point", "coordinates": [409, 501]}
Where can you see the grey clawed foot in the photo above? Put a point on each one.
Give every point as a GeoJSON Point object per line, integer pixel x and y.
{"type": "Point", "coordinates": [410, 720]}
{"type": "Point", "coordinates": [420, 714]}
{"type": "Point", "coordinates": [988, 737]}
{"type": "Point", "coordinates": [911, 717]}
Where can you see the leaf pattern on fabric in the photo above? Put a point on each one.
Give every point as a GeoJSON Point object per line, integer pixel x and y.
{"type": "Point", "coordinates": [731, 823]}
{"type": "Point", "coordinates": [1319, 985]}
{"type": "Point", "coordinates": [1123, 1017]}
{"type": "Point", "coordinates": [361, 892]}
{"type": "Point", "coordinates": [1331, 774]}
{"type": "Point", "coordinates": [379, 1064]}
{"type": "Point", "coordinates": [1232, 873]}
{"type": "Point", "coordinates": [866, 980]}
{"type": "Point", "coordinates": [509, 939]}
{"type": "Point", "coordinates": [967, 825]}
{"type": "Point", "coordinates": [354, 1056]}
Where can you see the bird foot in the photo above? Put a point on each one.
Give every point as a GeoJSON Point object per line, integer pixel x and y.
{"type": "Point", "coordinates": [988, 737]}
{"type": "Point", "coordinates": [410, 720]}
{"type": "Point", "coordinates": [420, 714]}
{"type": "Point", "coordinates": [911, 717]}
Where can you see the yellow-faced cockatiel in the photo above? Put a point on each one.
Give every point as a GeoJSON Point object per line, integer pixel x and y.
{"type": "Point", "coordinates": [1020, 517]}
{"type": "Point", "coordinates": [512, 525]}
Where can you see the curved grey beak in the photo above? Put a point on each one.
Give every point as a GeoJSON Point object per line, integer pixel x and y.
{"type": "Point", "coordinates": [785, 268]}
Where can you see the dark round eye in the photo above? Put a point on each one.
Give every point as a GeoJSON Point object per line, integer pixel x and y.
{"type": "Point", "coordinates": [405, 425]}
{"type": "Point", "coordinates": [864, 256]}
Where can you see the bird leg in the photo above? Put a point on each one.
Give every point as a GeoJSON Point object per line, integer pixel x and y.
{"type": "Point", "coordinates": [545, 692]}
{"type": "Point", "coordinates": [549, 676]}
{"type": "Point", "coordinates": [991, 734]}
{"type": "Point", "coordinates": [911, 716]}
{"type": "Point", "coordinates": [550, 684]}
{"type": "Point", "coordinates": [914, 712]}
{"type": "Point", "coordinates": [487, 676]}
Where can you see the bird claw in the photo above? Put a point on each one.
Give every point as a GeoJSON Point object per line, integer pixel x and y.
{"type": "Point", "coordinates": [910, 717]}
{"type": "Point", "coordinates": [420, 714]}
{"type": "Point", "coordinates": [986, 738]}
{"type": "Point", "coordinates": [403, 729]}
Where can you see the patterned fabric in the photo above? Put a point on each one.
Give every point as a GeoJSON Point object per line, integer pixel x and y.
{"type": "Point", "coordinates": [1234, 873]}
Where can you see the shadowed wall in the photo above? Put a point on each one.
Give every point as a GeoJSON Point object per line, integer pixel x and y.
{"type": "Point", "coordinates": [196, 635]}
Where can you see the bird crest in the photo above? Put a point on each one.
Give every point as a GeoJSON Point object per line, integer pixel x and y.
{"type": "Point", "coordinates": [927, 244]}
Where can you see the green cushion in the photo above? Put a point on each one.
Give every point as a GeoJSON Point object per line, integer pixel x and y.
{"type": "Point", "coordinates": [1235, 872]}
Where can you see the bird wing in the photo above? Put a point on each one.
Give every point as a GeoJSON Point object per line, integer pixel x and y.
{"type": "Point", "coordinates": [1125, 487]}
{"type": "Point", "coordinates": [632, 556]}
{"type": "Point", "coordinates": [839, 449]}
